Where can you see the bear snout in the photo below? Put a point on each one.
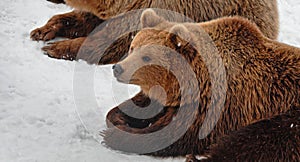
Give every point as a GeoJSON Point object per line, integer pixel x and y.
{"type": "Point", "coordinates": [118, 70]}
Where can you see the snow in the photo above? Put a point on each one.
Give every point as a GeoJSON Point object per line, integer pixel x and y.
{"type": "Point", "coordinates": [39, 105]}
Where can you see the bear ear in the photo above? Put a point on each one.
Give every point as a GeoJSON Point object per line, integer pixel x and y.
{"type": "Point", "coordinates": [178, 33]}
{"type": "Point", "coordinates": [150, 19]}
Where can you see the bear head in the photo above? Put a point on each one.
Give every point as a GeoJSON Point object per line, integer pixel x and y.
{"type": "Point", "coordinates": [161, 60]}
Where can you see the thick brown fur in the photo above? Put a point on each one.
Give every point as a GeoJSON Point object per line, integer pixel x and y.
{"type": "Point", "coordinates": [275, 139]}
{"type": "Point", "coordinates": [264, 13]}
{"type": "Point", "coordinates": [263, 78]}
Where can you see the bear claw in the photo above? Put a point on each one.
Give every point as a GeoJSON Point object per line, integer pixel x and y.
{"type": "Point", "coordinates": [61, 50]}
{"type": "Point", "coordinates": [34, 35]}
{"type": "Point", "coordinates": [191, 158]}
{"type": "Point", "coordinates": [42, 34]}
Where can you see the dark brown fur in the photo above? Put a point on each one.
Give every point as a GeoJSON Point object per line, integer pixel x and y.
{"type": "Point", "coordinates": [264, 13]}
{"type": "Point", "coordinates": [263, 79]}
{"type": "Point", "coordinates": [276, 139]}
{"type": "Point", "coordinates": [70, 25]}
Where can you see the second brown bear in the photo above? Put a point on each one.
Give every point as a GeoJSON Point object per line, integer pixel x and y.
{"type": "Point", "coordinates": [88, 14]}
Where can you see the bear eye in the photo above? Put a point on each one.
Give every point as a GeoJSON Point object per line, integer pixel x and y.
{"type": "Point", "coordinates": [146, 59]}
{"type": "Point", "coordinates": [130, 50]}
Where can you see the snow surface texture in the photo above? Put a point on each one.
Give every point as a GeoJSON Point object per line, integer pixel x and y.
{"type": "Point", "coordinates": [38, 116]}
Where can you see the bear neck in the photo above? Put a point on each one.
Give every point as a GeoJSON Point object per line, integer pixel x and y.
{"type": "Point", "coordinates": [168, 94]}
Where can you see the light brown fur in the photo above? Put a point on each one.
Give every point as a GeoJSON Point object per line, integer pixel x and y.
{"type": "Point", "coordinates": [263, 13]}
{"type": "Point", "coordinates": [263, 78]}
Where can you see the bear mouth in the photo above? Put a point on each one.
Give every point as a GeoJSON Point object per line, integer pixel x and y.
{"type": "Point", "coordinates": [119, 119]}
{"type": "Point", "coordinates": [130, 81]}
{"type": "Point", "coordinates": [124, 80]}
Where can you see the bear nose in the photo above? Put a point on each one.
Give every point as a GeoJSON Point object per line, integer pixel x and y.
{"type": "Point", "coordinates": [118, 70]}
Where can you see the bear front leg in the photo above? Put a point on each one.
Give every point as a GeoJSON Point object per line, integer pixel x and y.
{"type": "Point", "coordinates": [66, 49]}
{"type": "Point", "coordinates": [117, 51]}
{"type": "Point", "coordinates": [70, 25]}
{"type": "Point", "coordinates": [101, 50]}
{"type": "Point", "coordinates": [91, 50]}
{"type": "Point", "coordinates": [116, 117]}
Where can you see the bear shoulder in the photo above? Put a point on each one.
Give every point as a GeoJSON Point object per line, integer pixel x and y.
{"type": "Point", "coordinates": [236, 27]}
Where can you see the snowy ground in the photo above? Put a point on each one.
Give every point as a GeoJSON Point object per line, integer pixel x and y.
{"type": "Point", "coordinates": [38, 115]}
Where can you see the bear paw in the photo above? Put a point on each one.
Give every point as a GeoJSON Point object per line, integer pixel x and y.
{"type": "Point", "coordinates": [66, 50]}
{"type": "Point", "coordinates": [45, 33]}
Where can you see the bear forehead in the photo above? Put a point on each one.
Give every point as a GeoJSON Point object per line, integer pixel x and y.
{"type": "Point", "coordinates": [160, 34]}
{"type": "Point", "coordinates": [149, 36]}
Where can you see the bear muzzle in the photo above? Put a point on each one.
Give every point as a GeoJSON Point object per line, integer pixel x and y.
{"type": "Point", "coordinates": [118, 70]}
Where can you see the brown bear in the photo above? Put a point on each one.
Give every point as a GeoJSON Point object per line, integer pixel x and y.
{"type": "Point", "coordinates": [262, 80]}
{"type": "Point", "coordinates": [90, 13]}
{"type": "Point", "coordinates": [275, 139]}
